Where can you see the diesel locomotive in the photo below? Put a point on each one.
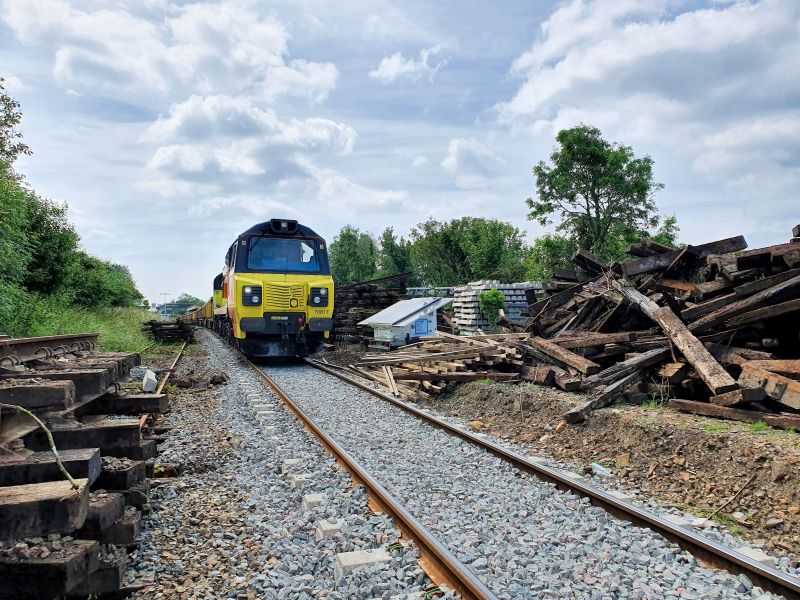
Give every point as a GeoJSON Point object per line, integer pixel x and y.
{"type": "Point", "coordinates": [274, 296]}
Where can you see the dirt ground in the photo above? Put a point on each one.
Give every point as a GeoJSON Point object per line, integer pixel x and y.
{"type": "Point", "coordinates": [693, 463]}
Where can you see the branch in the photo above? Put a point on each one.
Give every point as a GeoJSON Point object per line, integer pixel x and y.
{"type": "Point", "coordinates": [50, 441]}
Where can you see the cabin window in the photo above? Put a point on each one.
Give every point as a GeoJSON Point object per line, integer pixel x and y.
{"type": "Point", "coordinates": [284, 255]}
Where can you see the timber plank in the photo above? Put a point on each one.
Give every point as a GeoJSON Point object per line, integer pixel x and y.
{"type": "Point", "coordinates": [753, 287]}
{"type": "Point", "coordinates": [564, 356]}
{"type": "Point", "coordinates": [787, 368]}
{"type": "Point", "coordinates": [592, 340]}
{"type": "Point", "coordinates": [779, 388]}
{"type": "Point", "coordinates": [777, 292]}
{"type": "Point", "coordinates": [781, 421]}
{"type": "Point", "coordinates": [714, 376]}
{"type": "Point", "coordinates": [604, 398]}
{"type": "Point", "coordinates": [662, 261]}
{"type": "Point", "coordinates": [626, 367]}
{"type": "Point", "coordinates": [764, 313]}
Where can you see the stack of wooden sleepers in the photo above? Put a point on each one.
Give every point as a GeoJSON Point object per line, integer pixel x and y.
{"type": "Point", "coordinates": [59, 540]}
{"type": "Point", "coordinates": [356, 302]}
{"type": "Point", "coordinates": [169, 331]}
{"type": "Point", "coordinates": [712, 329]}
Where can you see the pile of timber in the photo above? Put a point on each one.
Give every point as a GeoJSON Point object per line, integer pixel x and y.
{"type": "Point", "coordinates": [169, 331]}
{"type": "Point", "coordinates": [57, 540]}
{"type": "Point", "coordinates": [712, 329]}
{"type": "Point", "coordinates": [355, 302]}
{"type": "Point", "coordinates": [467, 310]}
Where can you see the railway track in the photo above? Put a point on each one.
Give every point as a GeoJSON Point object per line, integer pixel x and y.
{"type": "Point", "coordinates": [708, 551]}
{"type": "Point", "coordinates": [517, 526]}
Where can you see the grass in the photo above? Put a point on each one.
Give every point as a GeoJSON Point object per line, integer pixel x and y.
{"type": "Point", "coordinates": [716, 427]}
{"type": "Point", "coordinates": [758, 427]}
{"type": "Point", "coordinates": [653, 405]}
{"type": "Point", "coordinates": [119, 328]}
{"type": "Point", "coordinates": [485, 381]}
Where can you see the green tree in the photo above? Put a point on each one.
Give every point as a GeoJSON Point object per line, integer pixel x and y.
{"type": "Point", "coordinates": [394, 254]}
{"type": "Point", "coordinates": [600, 191]}
{"type": "Point", "coordinates": [53, 243]}
{"type": "Point", "coordinates": [11, 145]}
{"type": "Point", "coordinates": [549, 252]}
{"type": "Point", "coordinates": [467, 249]}
{"type": "Point", "coordinates": [96, 283]}
{"type": "Point", "coordinates": [189, 299]}
{"type": "Point", "coordinates": [353, 256]}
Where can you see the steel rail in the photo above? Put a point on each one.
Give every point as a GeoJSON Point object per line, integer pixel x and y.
{"type": "Point", "coordinates": [705, 550]}
{"type": "Point", "coordinates": [161, 385]}
{"type": "Point", "coordinates": [436, 559]}
{"type": "Point", "coordinates": [15, 351]}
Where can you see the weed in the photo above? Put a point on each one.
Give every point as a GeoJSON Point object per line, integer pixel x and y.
{"type": "Point", "coordinates": [758, 427]}
{"type": "Point", "coordinates": [485, 381]}
{"type": "Point", "coordinates": [715, 427]}
{"type": "Point", "coordinates": [653, 404]}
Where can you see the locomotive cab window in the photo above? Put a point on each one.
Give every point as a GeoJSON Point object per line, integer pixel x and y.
{"type": "Point", "coordinates": [285, 255]}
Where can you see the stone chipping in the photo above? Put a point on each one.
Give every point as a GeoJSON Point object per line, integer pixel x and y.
{"type": "Point", "coordinates": [234, 526]}
{"type": "Point", "coordinates": [523, 537]}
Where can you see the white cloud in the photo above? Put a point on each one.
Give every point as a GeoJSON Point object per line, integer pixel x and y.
{"type": "Point", "coordinates": [707, 92]}
{"type": "Point", "coordinates": [14, 84]}
{"type": "Point", "coordinates": [472, 164]}
{"type": "Point", "coordinates": [210, 47]}
{"type": "Point", "coordinates": [419, 161]}
{"type": "Point", "coordinates": [258, 206]}
{"type": "Point", "coordinates": [397, 66]}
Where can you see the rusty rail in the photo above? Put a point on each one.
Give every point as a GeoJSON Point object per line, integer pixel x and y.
{"type": "Point", "coordinates": [440, 564]}
{"type": "Point", "coordinates": [161, 385]}
{"type": "Point", "coordinates": [708, 551]}
{"type": "Point", "coordinates": [16, 351]}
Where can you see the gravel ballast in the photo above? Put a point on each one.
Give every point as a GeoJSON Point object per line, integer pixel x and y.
{"type": "Point", "coordinates": [233, 525]}
{"type": "Point", "coordinates": [523, 537]}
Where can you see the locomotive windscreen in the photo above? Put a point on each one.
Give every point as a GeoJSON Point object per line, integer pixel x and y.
{"type": "Point", "coordinates": [286, 255]}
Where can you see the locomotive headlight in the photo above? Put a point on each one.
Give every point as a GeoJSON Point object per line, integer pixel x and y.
{"type": "Point", "coordinates": [318, 296]}
{"type": "Point", "coordinates": [251, 295]}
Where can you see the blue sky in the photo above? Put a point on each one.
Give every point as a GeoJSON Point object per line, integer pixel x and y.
{"type": "Point", "coordinates": [169, 127]}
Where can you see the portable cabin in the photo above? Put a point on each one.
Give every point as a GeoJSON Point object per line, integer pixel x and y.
{"type": "Point", "coordinates": [404, 321]}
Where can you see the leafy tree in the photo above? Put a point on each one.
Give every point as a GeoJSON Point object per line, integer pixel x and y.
{"type": "Point", "coordinates": [96, 283]}
{"type": "Point", "coordinates": [490, 302]}
{"type": "Point", "coordinates": [466, 249]}
{"type": "Point", "coordinates": [394, 255]}
{"type": "Point", "coordinates": [189, 299]}
{"type": "Point", "coordinates": [549, 252]}
{"type": "Point", "coordinates": [53, 243]}
{"type": "Point", "coordinates": [600, 191]}
{"type": "Point", "coordinates": [11, 145]}
{"type": "Point", "coordinates": [352, 256]}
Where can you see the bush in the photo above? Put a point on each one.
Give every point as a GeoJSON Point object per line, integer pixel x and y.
{"type": "Point", "coordinates": [491, 301]}
{"type": "Point", "coordinates": [96, 283]}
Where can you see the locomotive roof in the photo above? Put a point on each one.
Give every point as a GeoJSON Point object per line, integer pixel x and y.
{"type": "Point", "coordinates": [265, 229]}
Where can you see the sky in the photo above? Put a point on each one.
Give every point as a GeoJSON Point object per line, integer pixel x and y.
{"type": "Point", "coordinates": [171, 127]}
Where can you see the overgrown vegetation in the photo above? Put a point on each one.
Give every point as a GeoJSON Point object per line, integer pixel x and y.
{"type": "Point", "coordinates": [598, 194]}
{"type": "Point", "coordinates": [46, 280]}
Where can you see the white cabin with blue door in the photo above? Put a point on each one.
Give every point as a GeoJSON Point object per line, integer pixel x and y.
{"type": "Point", "coordinates": [405, 321]}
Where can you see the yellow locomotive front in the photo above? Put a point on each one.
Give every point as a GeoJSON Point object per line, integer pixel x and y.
{"type": "Point", "coordinates": [278, 290]}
